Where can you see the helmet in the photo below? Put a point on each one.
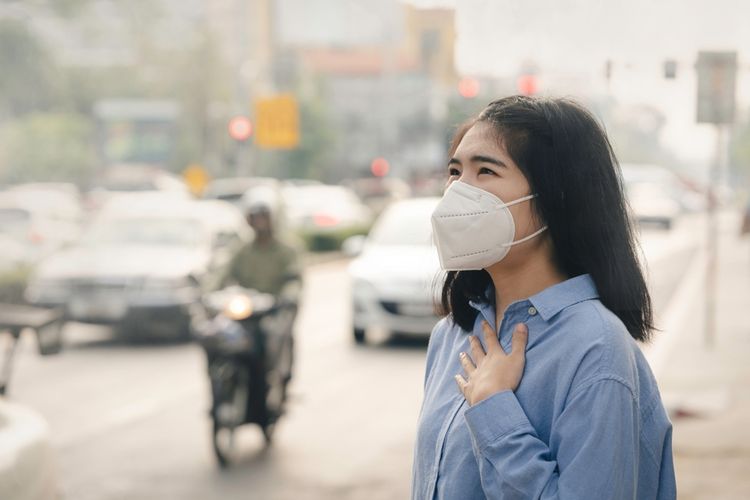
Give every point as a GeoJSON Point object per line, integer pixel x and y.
{"type": "Point", "coordinates": [259, 200]}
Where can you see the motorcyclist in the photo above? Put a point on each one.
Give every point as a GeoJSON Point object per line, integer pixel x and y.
{"type": "Point", "coordinates": [269, 265]}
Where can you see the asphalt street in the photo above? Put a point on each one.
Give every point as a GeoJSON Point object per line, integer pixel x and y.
{"type": "Point", "coordinates": [131, 421]}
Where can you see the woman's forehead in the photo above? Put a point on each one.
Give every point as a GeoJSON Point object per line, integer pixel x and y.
{"type": "Point", "coordinates": [481, 138]}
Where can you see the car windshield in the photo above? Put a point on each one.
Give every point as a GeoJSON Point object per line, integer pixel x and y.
{"type": "Point", "coordinates": [145, 231]}
{"type": "Point", "coordinates": [404, 225]}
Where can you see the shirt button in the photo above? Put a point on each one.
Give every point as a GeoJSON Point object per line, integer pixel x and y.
{"type": "Point", "coordinates": [532, 311]}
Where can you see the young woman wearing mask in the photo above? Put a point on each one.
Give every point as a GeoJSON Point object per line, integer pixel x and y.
{"type": "Point", "coordinates": [535, 386]}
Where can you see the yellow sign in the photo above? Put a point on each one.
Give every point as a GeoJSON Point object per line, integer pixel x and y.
{"type": "Point", "coordinates": [196, 178]}
{"type": "Point", "coordinates": [277, 122]}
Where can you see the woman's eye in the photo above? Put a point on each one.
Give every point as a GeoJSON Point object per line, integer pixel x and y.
{"type": "Point", "coordinates": [485, 170]}
{"type": "Point", "coordinates": [453, 171]}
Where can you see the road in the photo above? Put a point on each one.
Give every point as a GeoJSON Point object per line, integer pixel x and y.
{"type": "Point", "coordinates": [130, 421]}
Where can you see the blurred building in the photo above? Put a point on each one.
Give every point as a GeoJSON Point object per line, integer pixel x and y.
{"type": "Point", "coordinates": [385, 81]}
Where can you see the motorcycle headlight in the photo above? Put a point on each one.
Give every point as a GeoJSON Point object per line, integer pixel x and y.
{"type": "Point", "coordinates": [239, 308]}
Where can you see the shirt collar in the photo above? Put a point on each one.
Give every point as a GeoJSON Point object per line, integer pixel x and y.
{"type": "Point", "coordinates": [553, 299]}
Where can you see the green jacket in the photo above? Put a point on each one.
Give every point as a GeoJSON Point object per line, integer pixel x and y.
{"type": "Point", "coordinates": [268, 268]}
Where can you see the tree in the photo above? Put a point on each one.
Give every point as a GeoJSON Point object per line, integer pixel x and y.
{"type": "Point", "coordinates": [48, 147]}
{"type": "Point", "coordinates": [29, 77]}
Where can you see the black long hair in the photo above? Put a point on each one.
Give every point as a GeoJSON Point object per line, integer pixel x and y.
{"type": "Point", "coordinates": [568, 161]}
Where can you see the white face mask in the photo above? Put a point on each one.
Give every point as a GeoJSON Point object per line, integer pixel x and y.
{"type": "Point", "coordinates": [473, 228]}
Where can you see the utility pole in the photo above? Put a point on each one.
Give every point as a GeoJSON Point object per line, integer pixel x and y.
{"type": "Point", "coordinates": [717, 73]}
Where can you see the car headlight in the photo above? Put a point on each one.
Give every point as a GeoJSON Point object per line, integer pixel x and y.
{"type": "Point", "coordinates": [238, 308]}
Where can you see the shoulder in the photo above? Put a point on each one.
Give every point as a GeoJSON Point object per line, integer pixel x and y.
{"type": "Point", "coordinates": [598, 341]}
{"type": "Point", "coordinates": [443, 333]}
{"type": "Point", "coordinates": [438, 333]}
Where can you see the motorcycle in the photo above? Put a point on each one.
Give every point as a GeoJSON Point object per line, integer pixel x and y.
{"type": "Point", "coordinates": [247, 337]}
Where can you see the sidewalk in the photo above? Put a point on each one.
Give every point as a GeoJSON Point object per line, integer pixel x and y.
{"type": "Point", "coordinates": [707, 389]}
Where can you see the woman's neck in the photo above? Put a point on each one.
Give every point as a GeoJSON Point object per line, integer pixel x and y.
{"type": "Point", "coordinates": [522, 278]}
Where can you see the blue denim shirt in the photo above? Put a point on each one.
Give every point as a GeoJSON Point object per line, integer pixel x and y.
{"type": "Point", "coordinates": [586, 421]}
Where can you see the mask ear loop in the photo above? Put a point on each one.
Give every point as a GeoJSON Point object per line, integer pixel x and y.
{"type": "Point", "coordinates": [527, 238]}
{"type": "Point", "coordinates": [519, 200]}
{"type": "Point", "coordinates": [532, 235]}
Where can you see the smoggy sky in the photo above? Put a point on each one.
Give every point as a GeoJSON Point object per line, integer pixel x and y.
{"type": "Point", "coordinates": [571, 39]}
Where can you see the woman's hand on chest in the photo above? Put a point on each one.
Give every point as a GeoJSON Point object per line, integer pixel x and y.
{"type": "Point", "coordinates": [493, 371]}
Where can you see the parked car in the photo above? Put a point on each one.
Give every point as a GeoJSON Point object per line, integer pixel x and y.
{"type": "Point", "coordinates": [651, 203]}
{"type": "Point", "coordinates": [655, 194]}
{"type": "Point", "coordinates": [379, 192]}
{"type": "Point", "coordinates": [42, 219]}
{"type": "Point", "coordinates": [393, 278]}
{"type": "Point", "coordinates": [142, 264]}
{"type": "Point", "coordinates": [232, 189]}
{"type": "Point", "coordinates": [15, 267]}
{"type": "Point", "coordinates": [133, 178]}
{"type": "Point", "coordinates": [325, 215]}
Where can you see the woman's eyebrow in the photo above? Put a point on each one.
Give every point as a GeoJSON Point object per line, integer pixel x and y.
{"type": "Point", "coordinates": [479, 159]}
{"type": "Point", "coordinates": [488, 159]}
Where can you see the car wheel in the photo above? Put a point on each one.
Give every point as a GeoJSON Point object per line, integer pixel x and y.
{"type": "Point", "coordinates": [359, 335]}
{"type": "Point", "coordinates": [50, 338]}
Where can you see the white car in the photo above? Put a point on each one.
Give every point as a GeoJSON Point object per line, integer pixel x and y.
{"type": "Point", "coordinates": [43, 219]}
{"type": "Point", "coordinates": [395, 280]}
{"type": "Point", "coordinates": [142, 264]}
{"type": "Point", "coordinates": [325, 208]}
{"type": "Point", "coordinates": [652, 203]}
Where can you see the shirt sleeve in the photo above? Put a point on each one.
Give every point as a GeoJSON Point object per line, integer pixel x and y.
{"type": "Point", "coordinates": [228, 274]}
{"type": "Point", "coordinates": [596, 438]}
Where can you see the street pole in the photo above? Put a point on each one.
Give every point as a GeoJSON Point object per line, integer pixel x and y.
{"type": "Point", "coordinates": [242, 159]}
{"type": "Point", "coordinates": [717, 74]}
{"type": "Point", "coordinates": [712, 242]}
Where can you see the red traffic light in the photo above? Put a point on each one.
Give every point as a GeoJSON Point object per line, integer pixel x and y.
{"type": "Point", "coordinates": [528, 84]}
{"type": "Point", "coordinates": [380, 167]}
{"type": "Point", "coordinates": [240, 128]}
{"type": "Point", "coordinates": [468, 88]}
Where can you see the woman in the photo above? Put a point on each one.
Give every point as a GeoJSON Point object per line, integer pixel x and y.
{"type": "Point", "coordinates": [535, 386]}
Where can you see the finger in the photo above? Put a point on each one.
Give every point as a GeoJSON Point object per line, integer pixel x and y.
{"type": "Point", "coordinates": [466, 363]}
{"type": "Point", "coordinates": [490, 338]}
{"type": "Point", "coordinates": [520, 338]}
{"type": "Point", "coordinates": [477, 351]}
{"type": "Point", "coordinates": [462, 383]}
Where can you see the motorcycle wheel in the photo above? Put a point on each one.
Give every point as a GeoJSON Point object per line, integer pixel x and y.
{"type": "Point", "coordinates": [278, 382]}
{"type": "Point", "coordinates": [223, 443]}
{"type": "Point", "coordinates": [230, 387]}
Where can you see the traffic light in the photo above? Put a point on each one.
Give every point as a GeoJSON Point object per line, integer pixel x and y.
{"type": "Point", "coordinates": [468, 88]}
{"type": "Point", "coordinates": [380, 167]}
{"type": "Point", "coordinates": [240, 128]}
{"type": "Point", "coordinates": [527, 84]}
